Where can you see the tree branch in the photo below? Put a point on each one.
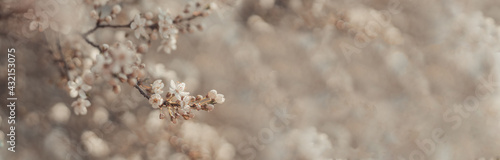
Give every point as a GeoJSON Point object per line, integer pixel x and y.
{"type": "Point", "coordinates": [142, 91]}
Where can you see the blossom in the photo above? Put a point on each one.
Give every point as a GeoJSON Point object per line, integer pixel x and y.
{"type": "Point", "coordinates": [178, 89]}
{"type": "Point", "coordinates": [77, 87]}
{"type": "Point", "coordinates": [185, 103]}
{"type": "Point", "coordinates": [212, 94]}
{"type": "Point", "coordinates": [166, 23]}
{"type": "Point", "coordinates": [101, 63]}
{"type": "Point", "coordinates": [80, 106]}
{"type": "Point", "coordinates": [220, 98]}
{"type": "Point", "coordinates": [158, 87]}
{"type": "Point", "coordinates": [155, 100]}
{"type": "Point", "coordinates": [168, 45]}
{"type": "Point", "coordinates": [123, 58]}
{"type": "Point", "coordinates": [138, 25]}
{"type": "Point", "coordinates": [40, 20]}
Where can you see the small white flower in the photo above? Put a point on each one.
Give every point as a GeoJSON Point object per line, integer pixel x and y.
{"type": "Point", "coordinates": [168, 45]}
{"type": "Point", "coordinates": [101, 64]}
{"type": "Point", "coordinates": [155, 100]}
{"type": "Point", "coordinates": [80, 106]}
{"type": "Point", "coordinates": [165, 24]}
{"type": "Point", "coordinates": [138, 25]}
{"type": "Point", "coordinates": [123, 58]}
{"type": "Point", "coordinates": [40, 20]}
{"type": "Point", "coordinates": [185, 103]}
{"type": "Point", "coordinates": [212, 94]}
{"type": "Point", "coordinates": [158, 87]}
{"type": "Point", "coordinates": [178, 89]}
{"type": "Point", "coordinates": [220, 98]}
{"type": "Point", "coordinates": [78, 88]}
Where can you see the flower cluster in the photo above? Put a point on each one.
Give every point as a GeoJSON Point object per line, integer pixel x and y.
{"type": "Point", "coordinates": [79, 88]}
{"type": "Point", "coordinates": [178, 102]}
{"type": "Point", "coordinates": [121, 62]}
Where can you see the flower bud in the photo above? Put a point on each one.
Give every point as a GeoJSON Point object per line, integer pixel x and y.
{"type": "Point", "coordinates": [148, 15]}
{"type": "Point", "coordinates": [108, 19]}
{"type": "Point", "coordinates": [104, 47]}
{"type": "Point", "coordinates": [116, 9]}
{"type": "Point", "coordinates": [143, 48]}
{"type": "Point", "coordinates": [117, 89]}
{"type": "Point", "coordinates": [94, 14]}
{"type": "Point", "coordinates": [210, 107]}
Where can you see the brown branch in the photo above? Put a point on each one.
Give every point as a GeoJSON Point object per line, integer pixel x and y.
{"type": "Point", "coordinates": [99, 25]}
{"type": "Point", "coordinates": [142, 91]}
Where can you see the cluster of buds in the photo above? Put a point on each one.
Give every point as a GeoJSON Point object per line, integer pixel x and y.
{"type": "Point", "coordinates": [94, 14]}
{"type": "Point", "coordinates": [121, 62]}
{"type": "Point", "coordinates": [192, 12]}
{"type": "Point", "coordinates": [161, 26]}
{"type": "Point", "coordinates": [179, 103]}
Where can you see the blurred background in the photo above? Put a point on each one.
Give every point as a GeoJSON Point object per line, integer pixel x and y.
{"type": "Point", "coordinates": [303, 80]}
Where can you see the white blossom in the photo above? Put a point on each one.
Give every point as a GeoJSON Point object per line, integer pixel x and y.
{"type": "Point", "coordinates": [185, 103]}
{"type": "Point", "coordinates": [78, 88]}
{"type": "Point", "coordinates": [168, 32]}
{"type": "Point", "coordinates": [155, 100]}
{"type": "Point", "coordinates": [100, 63]}
{"type": "Point", "coordinates": [178, 89]}
{"type": "Point", "coordinates": [212, 94]}
{"type": "Point", "coordinates": [123, 58]}
{"type": "Point", "coordinates": [40, 20]}
{"type": "Point", "coordinates": [220, 98]}
{"type": "Point", "coordinates": [168, 45]}
{"type": "Point", "coordinates": [158, 87]}
{"type": "Point", "coordinates": [80, 106]}
{"type": "Point", "coordinates": [138, 25]}
{"type": "Point", "coordinates": [166, 24]}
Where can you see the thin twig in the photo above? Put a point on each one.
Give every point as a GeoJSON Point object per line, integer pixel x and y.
{"type": "Point", "coordinates": [99, 25]}
{"type": "Point", "coordinates": [142, 91]}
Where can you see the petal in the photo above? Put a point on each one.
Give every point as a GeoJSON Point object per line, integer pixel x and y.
{"type": "Point", "coordinates": [86, 87]}
{"type": "Point", "coordinates": [86, 103]}
{"type": "Point", "coordinates": [137, 33]}
{"type": "Point", "coordinates": [143, 32]}
{"type": "Point", "coordinates": [137, 18]}
{"type": "Point", "coordinates": [33, 25]}
{"type": "Point", "coordinates": [78, 81]}
{"type": "Point", "coordinates": [73, 93]}
{"type": "Point", "coordinates": [172, 84]}
{"type": "Point", "coordinates": [133, 25]}
{"type": "Point", "coordinates": [82, 94]}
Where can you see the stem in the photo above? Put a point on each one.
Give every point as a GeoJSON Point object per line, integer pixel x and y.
{"type": "Point", "coordinates": [142, 91]}
{"type": "Point", "coordinates": [99, 25]}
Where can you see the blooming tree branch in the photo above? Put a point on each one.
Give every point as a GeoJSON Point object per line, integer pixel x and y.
{"type": "Point", "coordinates": [122, 61]}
